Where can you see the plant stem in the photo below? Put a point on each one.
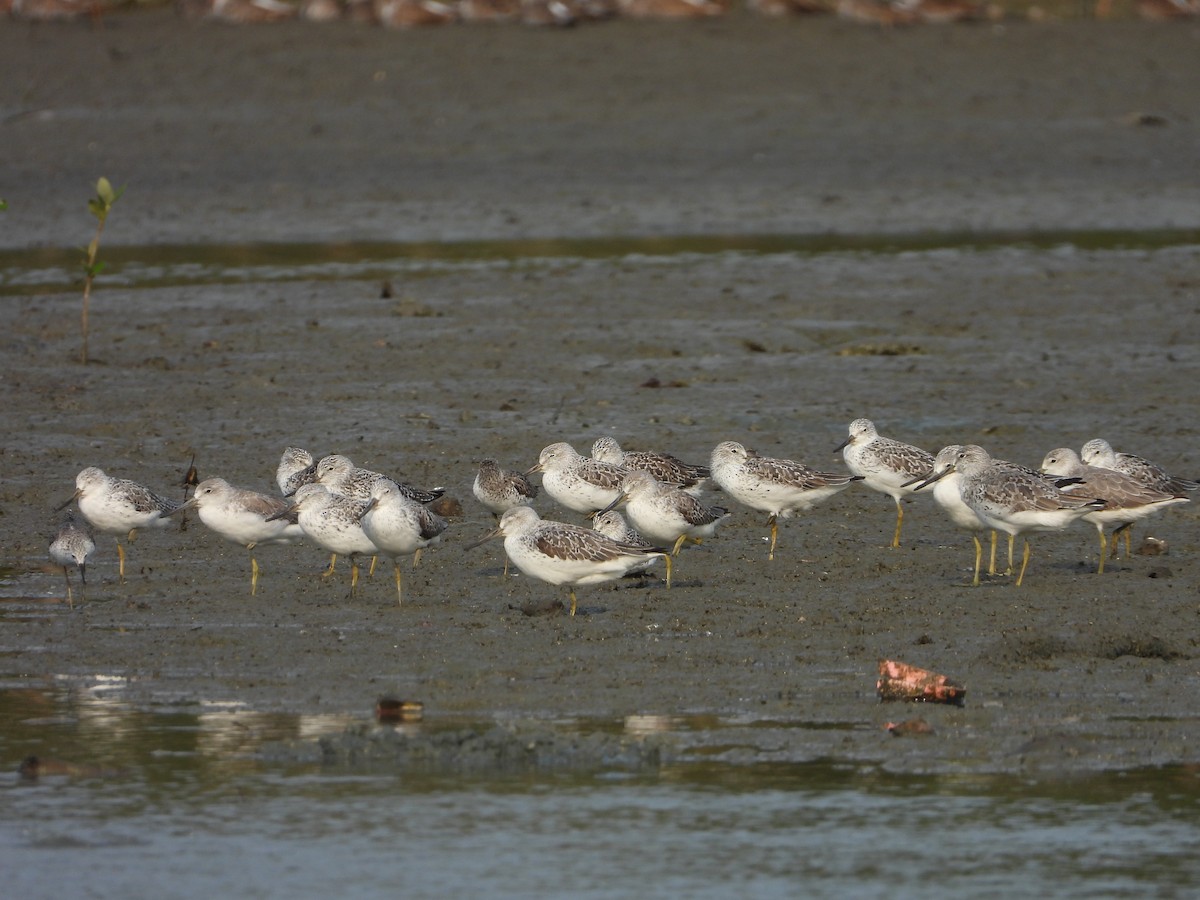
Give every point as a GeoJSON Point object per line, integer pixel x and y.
{"type": "Point", "coordinates": [90, 269]}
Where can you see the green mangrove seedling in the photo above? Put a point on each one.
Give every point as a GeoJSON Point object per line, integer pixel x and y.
{"type": "Point", "coordinates": [99, 206]}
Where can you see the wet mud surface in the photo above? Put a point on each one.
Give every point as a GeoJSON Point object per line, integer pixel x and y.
{"type": "Point", "coordinates": [1021, 349]}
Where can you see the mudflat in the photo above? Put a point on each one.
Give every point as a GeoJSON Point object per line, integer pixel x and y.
{"type": "Point", "coordinates": [935, 148]}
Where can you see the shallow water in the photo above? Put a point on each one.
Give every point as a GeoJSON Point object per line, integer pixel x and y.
{"type": "Point", "coordinates": [180, 802]}
{"type": "Point", "coordinates": [28, 272]}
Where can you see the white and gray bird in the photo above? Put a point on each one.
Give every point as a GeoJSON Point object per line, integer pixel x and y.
{"type": "Point", "coordinates": [246, 517]}
{"type": "Point", "coordinates": [615, 526]}
{"type": "Point", "coordinates": [665, 513]}
{"type": "Point", "coordinates": [886, 465]}
{"type": "Point", "coordinates": [499, 490]}
{"type": "Point", "coordinates": [1099, 453]}
{"type": "Point", "coordinates": [579, 483]}
{"type": "Point", "coordinates": [560, 553]}
{"type": "Point", "coordinates": [1126, 500]}
{"type": "Point", "coordinates": [295, 470]}
{"type": "Point", "coordinates": [1013, 501]}
{"type": "Point", "coordinates": [665, 468]}
{"type": "Point", "coordinates": [341, 476]}
{"type": "Point", "coordinates": [73, 546]}
{"type": "Point", "coordinates": [399, 526]}
{"type": "Point", "coordinates": [333, 522]}
{"type": "Point", "coordinates": [118, 507]}
{"type": "Point", "coordinates": [778, 487]}
{"type": "Point", "coordinates": [946, 492]}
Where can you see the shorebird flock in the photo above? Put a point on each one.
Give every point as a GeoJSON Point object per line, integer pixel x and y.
{"type": "Point", "coordinates": [637, 508]}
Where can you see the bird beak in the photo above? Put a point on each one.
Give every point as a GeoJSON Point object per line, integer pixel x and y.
{"type": "Point", "coordinates": [67, 502]}
{"type": "Point", "coordinates": [531, 471]}
{"type": "Point", "coordinates": [843, 445]}
{"type": "Point", "coordinates": [495, 532]}
{"type": "Point", "coordinates": [182, 508]}
{"type": "Point", "coordinates": [913, 481]}
{"type": "Point", "coordinates": [925, 482]}
{"type": "Point", "coordinates": [621, 498]}
{"type": "Point", "coordinates": [283, 513]}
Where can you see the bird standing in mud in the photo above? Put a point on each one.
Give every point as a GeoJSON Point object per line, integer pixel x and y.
{"type": "Point", "coordinates": [73, 546]}
{"type": "Point", "coordinates": [613, 524]}
{"type": "Point", "coordinates": [1011, 500]}
{"type": "Point", "coordinates": [1098, 452]}
{"type": "Point", "coordinates": [340, 476]}
{"type": "Point", "coordinates": [1126, 500]}
{"type": "Point", "coordinates": [118, 507]}
{"type": "Point", "coordinates": [947, 493]}
{"type": "Point", "coordinates": [665, 513]}
{"type": "Point", "coordinates": [778, 487]}
{"type": "Point", "coordinates": [398, 526]}
{"type": "Point", "coordinates": [333, 522]}
{"type": "Point", "coordinates": [886, 465]}
{"type": "Point", "coordinates": [243, 516]}
{"type": "Point", "coordinates": [559, 553]}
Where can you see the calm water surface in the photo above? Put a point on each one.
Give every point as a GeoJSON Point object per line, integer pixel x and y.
{"type": "Point", "coordinates": [177, 803]}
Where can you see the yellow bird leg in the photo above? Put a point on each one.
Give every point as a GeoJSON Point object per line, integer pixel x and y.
{"type": "Point", "coordinates": [978, 556]}
{"type": "Point", "coordinates": [1126, 530]}
{"type": "Point", "coordinates": [1024, 563]}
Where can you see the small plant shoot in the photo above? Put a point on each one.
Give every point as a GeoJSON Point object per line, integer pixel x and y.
{"type": "Point", "coordinates": [99, 206]}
